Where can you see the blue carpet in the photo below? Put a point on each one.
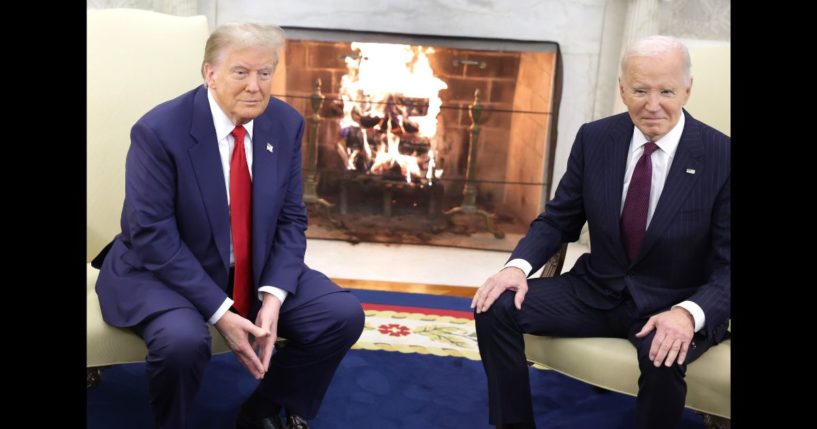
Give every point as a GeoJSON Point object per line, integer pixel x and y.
{"type": "Point", "coordinates": [377, 390]}
{"type": "Point", "coordinates": [413, 300]}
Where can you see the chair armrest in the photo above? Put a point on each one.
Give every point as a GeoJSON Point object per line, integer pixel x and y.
{"type": "Point", "coordinates": [553, 267]}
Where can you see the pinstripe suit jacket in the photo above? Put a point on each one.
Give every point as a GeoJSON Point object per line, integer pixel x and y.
{"type": "Point", "coordinates": [686, 252]}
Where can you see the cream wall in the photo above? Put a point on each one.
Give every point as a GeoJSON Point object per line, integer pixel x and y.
{"type": "Point", "coordinates": [710, 101]}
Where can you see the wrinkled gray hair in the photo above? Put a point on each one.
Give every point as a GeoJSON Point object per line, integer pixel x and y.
{"type": "Point", "coordinates": [654, 45]}
{"type": "Point", "coordinates": [242, 35]}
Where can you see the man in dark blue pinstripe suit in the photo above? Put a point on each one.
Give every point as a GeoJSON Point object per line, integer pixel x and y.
{"type": "Point", "coordinates": [666, 288]}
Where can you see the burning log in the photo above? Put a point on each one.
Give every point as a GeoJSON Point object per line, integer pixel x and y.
{"type": "Point", "coordinates": [412, 106]}
{"type": "Point", "coordinates": [390, 103]}
{"type": "Point", "coordinates": [354, 148]}
{"type": "Point", "coordinates": [398, 112]}
{"type": "Point", "coordinates": [365, 120]}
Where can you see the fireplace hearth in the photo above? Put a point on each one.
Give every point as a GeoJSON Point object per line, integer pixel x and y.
{"type": "Point", "coordinates": [395, 152]}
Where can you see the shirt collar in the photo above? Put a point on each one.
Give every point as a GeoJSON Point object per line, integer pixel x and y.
{"type": "Point", "coordinates": [224, 126]}
{"type": "Point", "coordinates": [668, 143]}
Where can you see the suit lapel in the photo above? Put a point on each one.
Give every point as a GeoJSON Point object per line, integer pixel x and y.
{"type": "Point", "coordinates": [265, 178]}
{"type": "Point", "coordinates": [209, 174]}
{"type": "Point", "coordinates": [615, 160]}
{"type": "Point", "coordinates": [688, 156]}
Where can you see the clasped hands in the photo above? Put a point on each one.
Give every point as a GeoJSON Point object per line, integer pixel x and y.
{"type": "Point", "coordinates": [255, 356]}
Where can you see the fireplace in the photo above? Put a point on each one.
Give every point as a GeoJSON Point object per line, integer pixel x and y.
{"type": "Point", "coordinates": [422, 139]}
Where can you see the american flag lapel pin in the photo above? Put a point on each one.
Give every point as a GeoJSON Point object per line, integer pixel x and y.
{"type": "Point", "coordinates": [269, 149]}
{"type": "Point", "coordinates": [690, 171]}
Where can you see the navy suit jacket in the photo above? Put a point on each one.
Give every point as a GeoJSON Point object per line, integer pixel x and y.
{"type": "Point", "coordinates": [173, 251]}
{"type": "Point", "coordinates": [686, 252]}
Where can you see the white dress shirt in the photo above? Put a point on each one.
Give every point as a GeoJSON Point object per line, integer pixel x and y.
{"type": "Point", "coordinates": [224, 127]}
{"type": "Point", "coordinates": [661, 162]}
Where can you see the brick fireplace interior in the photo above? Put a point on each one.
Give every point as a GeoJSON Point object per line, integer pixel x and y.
{"type": "Point", "coordinates": [391, 180]}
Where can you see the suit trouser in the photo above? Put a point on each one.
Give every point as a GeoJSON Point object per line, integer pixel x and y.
{"type": "Point", "coordinates": [551, 308]}
{"type": "Point", "coordinates": [319, 332]}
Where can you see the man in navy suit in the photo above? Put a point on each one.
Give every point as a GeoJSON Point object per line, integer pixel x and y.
{"type": "Point", "coordinates": [662, 281]}
{"type": "Point", "coordinates": [172, 270]}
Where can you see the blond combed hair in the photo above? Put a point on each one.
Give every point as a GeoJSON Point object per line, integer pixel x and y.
{"type": "Point", "coordinates": [242, 35]}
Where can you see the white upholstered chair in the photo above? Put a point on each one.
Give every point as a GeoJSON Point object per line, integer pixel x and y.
{"type": "Point", "coordinates": [136, 60]}
{"type": "Point", "coordinates": [611, 364]}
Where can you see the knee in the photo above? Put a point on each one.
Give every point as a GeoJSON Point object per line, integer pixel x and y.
{"type": "Point", "coordinates": [180, 348]}
{"type": "Point", "coordinates": [660, 377]}
{"type": "Point", "coordinates": [650, 372]}
{"type": "Point", "coordinates": [502, 309]}
{"type": "Point", "coordinates": [348, 318]}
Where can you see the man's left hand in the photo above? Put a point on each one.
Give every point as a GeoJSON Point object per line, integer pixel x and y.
{"type": "Point", "coordinates": [267, 319]}
{"type": "Point", "coordinates": [673, 334]}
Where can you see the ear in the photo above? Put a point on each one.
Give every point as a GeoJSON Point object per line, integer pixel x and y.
{"type": "Point", "coordinates": [688, 91]}
{"type": "Point", "coordinates": [209, 75]}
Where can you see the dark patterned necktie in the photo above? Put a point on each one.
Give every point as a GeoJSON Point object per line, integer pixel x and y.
{"type": "Point", "coordinates": [637, 203]}
{"type": "Point", "coordinates": [241, 224]}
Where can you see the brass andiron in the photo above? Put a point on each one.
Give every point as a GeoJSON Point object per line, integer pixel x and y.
{"type": "Point", "coordinates": [469, 193]}
{"type": "Point", "coordinates": [311, 177]}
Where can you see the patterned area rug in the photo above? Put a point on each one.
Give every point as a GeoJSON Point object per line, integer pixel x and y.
{"type": "Point", "coordinates": [415, 366]}
{"type": "Point", "coordinates": [419, 328]}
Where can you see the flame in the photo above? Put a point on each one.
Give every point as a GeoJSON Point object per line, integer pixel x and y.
{"type": "Point", "coordinates": [388, 155]}
{"type": "Point", "coordinates": [386, 81]}
{"type": "Point", "coordinates": [431, 165]}
{"type": "Point", "coordinates": [382, 70]}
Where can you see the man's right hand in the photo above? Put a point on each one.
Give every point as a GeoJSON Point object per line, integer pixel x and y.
{"type": "Point", "coordinates": [509, 278]}
{"type": "Point", "coordinates": [236, 331]}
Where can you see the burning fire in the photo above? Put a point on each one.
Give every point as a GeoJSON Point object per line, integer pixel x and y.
{"type": "Point", "coordinates": [390, 104]}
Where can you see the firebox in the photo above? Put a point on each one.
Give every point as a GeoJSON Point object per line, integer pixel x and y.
{"type": "Point", "coordinates": [422, 139]}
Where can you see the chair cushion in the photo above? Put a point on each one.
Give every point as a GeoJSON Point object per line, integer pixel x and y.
{"type": "Point", "coordinates": [136, 59]}
{"type": "Point", "coordinates": [611, 363]}
{"type": "Point", "coordinates": [107, 345]}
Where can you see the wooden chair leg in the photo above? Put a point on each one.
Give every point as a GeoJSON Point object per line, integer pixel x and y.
{"type": "Point", "coordinates": [716, 422]}
{"type": "Point", "coordinates": [92, 377]}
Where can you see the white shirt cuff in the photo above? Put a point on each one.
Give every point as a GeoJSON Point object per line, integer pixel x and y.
{"type": "Point", "coordinates": [221, 310]}
{"type": "Point", "coordinates": [522, 264]}
{"type": "Point", "coordinates": [277, 292]}
{"type": "Point", "coordinates": [696, 312]}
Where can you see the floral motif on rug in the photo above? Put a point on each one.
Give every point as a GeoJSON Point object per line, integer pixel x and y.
{"type": "Point", "coordinates": [419, 330]}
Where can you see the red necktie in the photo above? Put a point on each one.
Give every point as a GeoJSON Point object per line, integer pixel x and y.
{"type": "Point", "coordinates": [637, 203]}
{"type": "Point", "coordinates": [241, 224]}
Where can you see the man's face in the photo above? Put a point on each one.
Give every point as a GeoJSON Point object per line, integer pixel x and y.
{"type": "Point", "coordinates": [241, 80]}
{"type": "Point", "coordinates": [654, 91]}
